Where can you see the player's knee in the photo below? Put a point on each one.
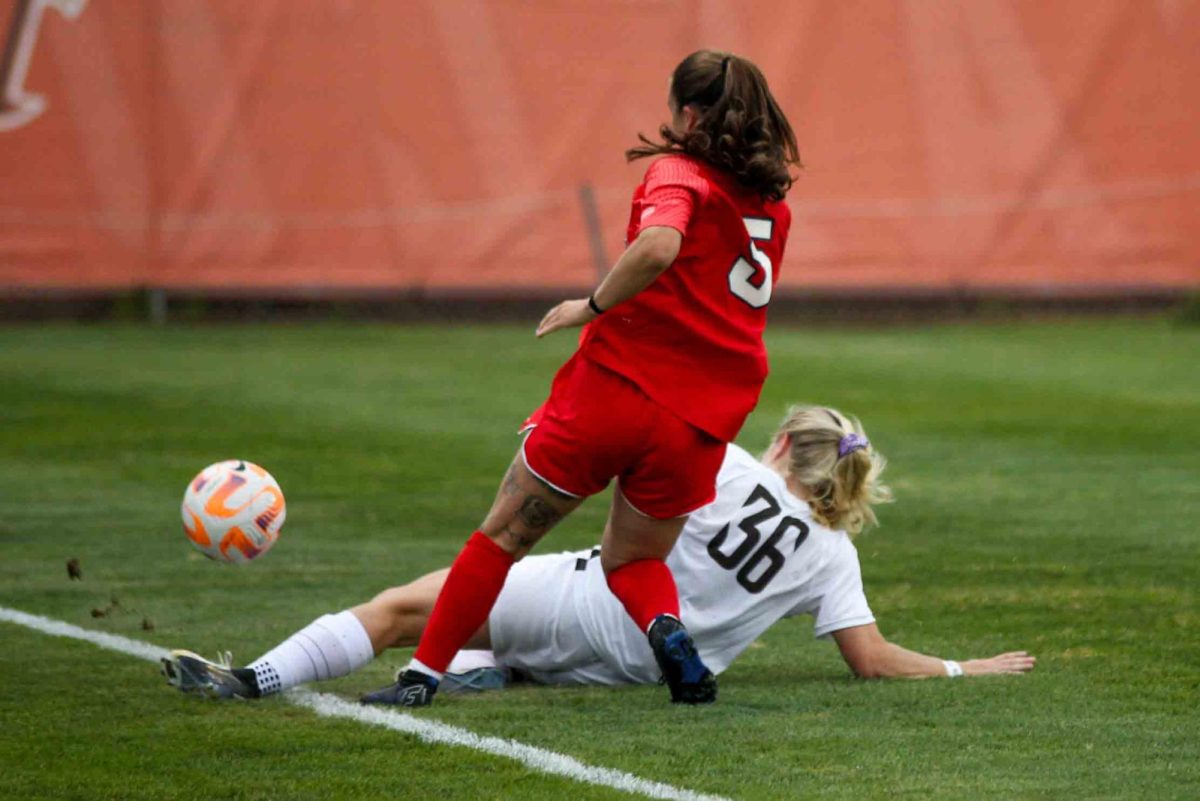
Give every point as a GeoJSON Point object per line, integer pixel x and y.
{"type": "Point", "coordinates": [394, 602]}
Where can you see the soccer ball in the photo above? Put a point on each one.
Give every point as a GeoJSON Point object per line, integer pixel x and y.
{"type": "Point", "coordinates": [232, 511]}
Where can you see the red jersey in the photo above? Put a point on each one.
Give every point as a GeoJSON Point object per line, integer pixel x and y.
{"type": "Point", "coordinates": [692, 340]}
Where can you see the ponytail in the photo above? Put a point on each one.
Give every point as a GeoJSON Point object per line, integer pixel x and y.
{"type": "Point", "coordinates": [739, 126]}
{"type": "Point", "coordinates": [830, 456]}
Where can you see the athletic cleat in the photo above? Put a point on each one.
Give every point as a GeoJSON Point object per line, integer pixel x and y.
{"type": "Point", "coordinates": [473, 681]}
{"type": "Point", "coordinates": [412, 688]}
{"type": "Point", "coordinates": [192, 673]}
{"type": "Point", "coordinates": [689, 680]}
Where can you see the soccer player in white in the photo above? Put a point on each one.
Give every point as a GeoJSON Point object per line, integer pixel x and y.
{"type": "Point", "coordinates": [775, 543]}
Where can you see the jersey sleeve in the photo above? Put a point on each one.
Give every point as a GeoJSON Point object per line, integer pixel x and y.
{"type": "Point", "coordinates": [842, 604]}
{"type": "Point", "coordinates": [674, 189]}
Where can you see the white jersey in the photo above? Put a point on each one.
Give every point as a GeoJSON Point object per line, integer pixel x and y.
{"type": "Point", "coordinates": [751, 557]}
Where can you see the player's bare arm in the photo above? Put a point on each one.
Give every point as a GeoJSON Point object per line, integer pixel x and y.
{"type": "Point", "coordinates": [871, 656]}
{"type": "Point", "coordinates": [648, 257]}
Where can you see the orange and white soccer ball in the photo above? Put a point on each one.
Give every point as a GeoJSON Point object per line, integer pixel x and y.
{"type": "Point", "coordinates": [233, 510]}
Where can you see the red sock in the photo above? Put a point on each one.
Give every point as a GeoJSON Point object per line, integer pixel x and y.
{"type": "Point", "coordinates": [466, 600]}
{"type": "Point", "coordinates": [647, 589]}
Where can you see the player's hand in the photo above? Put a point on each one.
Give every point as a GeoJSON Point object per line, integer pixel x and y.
{"type": "Point", "coordinates": [568, 314]}
{"type": "Point", "coordinates": [1012, 662]}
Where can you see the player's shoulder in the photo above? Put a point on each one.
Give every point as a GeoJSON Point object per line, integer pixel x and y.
{"type": "Point", "coordinates": [678, 169]}
{"type": "Point", "coordinates": [738, 462]}
{"type": "Point", "coordinates": [842, 546]}
{"type": "Point", "coordinates": [676, 163]}
{"type": "Point", "coordinates": [835, 551]}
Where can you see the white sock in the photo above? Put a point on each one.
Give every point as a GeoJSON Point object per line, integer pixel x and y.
{"type": "Point", "coordinates": [328, 648]}
{"type": "Point", "coordinates": [421, 667]}
{"type": "Point", "coordinates": [467, 660]}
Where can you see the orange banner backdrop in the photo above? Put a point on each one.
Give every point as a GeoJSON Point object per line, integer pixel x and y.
{"type": "Point", "coordinates": [317, 145]}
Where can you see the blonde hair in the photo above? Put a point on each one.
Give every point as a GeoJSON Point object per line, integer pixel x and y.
{"type": "Point", "coordinates": [842, 488]}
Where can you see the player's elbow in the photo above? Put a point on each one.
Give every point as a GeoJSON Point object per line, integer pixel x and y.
{"type": "Point", "coordinates": [868, 669]}
{"type": "Point", "coordinates": [870, 663]}
{"type": "Point", "coordinates": [660, 247]}
{"type": "Point", "coordinates": [865, 650]}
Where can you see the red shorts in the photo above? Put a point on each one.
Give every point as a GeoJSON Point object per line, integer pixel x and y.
{"type": "Point", "coordinates": [598, 425]}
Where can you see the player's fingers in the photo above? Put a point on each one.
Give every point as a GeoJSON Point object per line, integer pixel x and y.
{"type": "Point", "coordinates": [554, 325]}
{"type": "Point", "coordinates": [1019, 665]}
{"type": "Point", "coordinates": [548, 322]}
{"type": "Point", "coordinates": [1015, 662]}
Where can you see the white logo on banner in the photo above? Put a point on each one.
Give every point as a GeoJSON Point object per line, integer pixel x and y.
{"type": "Point", "coordinates": [18, 107]}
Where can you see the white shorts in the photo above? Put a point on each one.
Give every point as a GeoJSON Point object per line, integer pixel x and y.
{"type": "Point", "coordinates": [534, 626]}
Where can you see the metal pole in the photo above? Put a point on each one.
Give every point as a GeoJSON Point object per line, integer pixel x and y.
{"type": "Point", "coordinates": [156, 296]}
{"type": "Point", "coordinates": [591, 219]}
{"type": "Point", "coordinates": [156, 305]}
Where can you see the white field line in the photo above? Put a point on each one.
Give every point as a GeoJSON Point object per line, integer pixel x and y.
{"type": "Point", "coordinates": [430, 731]}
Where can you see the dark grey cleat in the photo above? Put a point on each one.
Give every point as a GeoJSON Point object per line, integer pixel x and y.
{"type": "Point", "coordinates": [473, 681]}
{"type": "Point", "coordinates": [412, 688]}
{"type": "Point", "coordinates": [192, 673]}
{"type": "Point", "coordinates": [687, 677]}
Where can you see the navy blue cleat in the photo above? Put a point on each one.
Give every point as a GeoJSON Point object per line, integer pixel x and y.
{"type": "Point", "coordinates": [412, 688]}
{"type": "Point", "coordinates": [689, 680]}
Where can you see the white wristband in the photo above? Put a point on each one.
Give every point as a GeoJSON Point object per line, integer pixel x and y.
{"type": "Point", "coordinates": [953, 669]}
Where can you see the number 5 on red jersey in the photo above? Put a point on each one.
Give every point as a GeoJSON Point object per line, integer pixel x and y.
{"type": "Point", "coordinates": [749, 283]}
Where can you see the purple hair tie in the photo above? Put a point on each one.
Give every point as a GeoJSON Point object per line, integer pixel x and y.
{"type": "Point", "coordinates": [851, 443]}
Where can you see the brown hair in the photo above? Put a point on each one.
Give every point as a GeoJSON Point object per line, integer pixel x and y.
{"type": "Point", "coordinates": [842, 487]}
{"type": "Point", "coordinates": [740, 128]}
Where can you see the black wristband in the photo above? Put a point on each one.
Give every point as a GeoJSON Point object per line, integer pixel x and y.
{"type": "Point", "coordinates": [594, 306]}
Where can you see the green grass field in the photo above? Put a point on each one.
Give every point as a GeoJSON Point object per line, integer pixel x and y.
{"type": "Point", "coordinates": [1047, 480]}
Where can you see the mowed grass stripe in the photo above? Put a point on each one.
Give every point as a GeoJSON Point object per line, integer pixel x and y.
{"type": "Point", "coordinates": [429, 731]}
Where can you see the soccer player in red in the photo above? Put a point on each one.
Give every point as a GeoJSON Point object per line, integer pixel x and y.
{"type": "Point", "coordinates": [669, 365]}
